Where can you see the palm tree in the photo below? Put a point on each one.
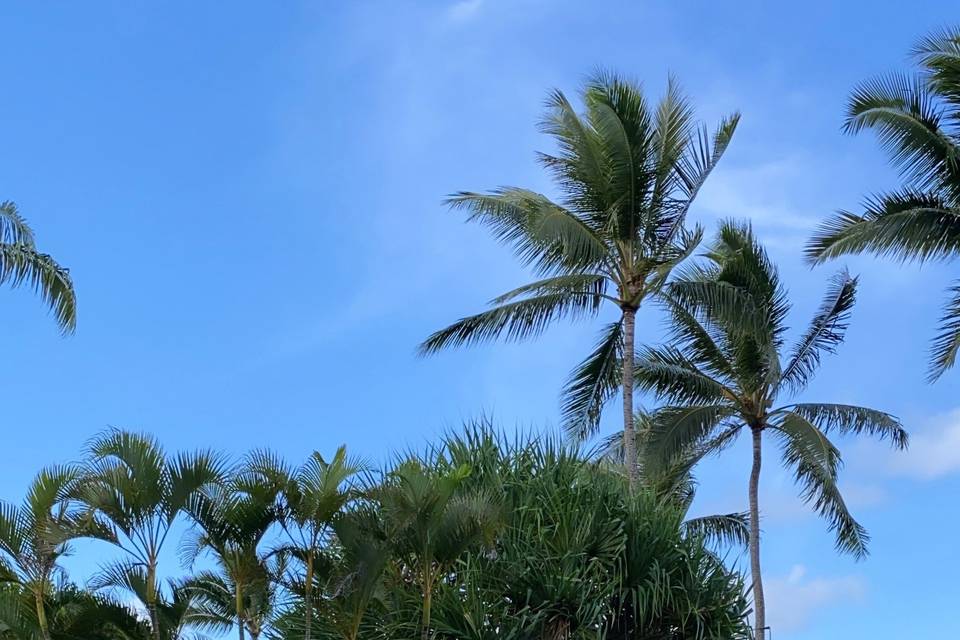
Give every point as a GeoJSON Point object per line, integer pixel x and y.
{"type": "Point", "coordinates": [430, 522]}
{"type": "Point", "coordinates": [628, 173]}
{"type": "Point", "coordinates": [36, 534]}
{"type": "Point", "coordinates": [137, 492]}
{"type": "Point", "coordinates": [724, 374]}
{"type": "Point", "coordinates": [313, 495]}
{"type": "Point", "coordinates": [21, 263]}
{"type": "Point", "coordinates": [232, 521]}
{"type": "Point", "coordinates": [915, 118]}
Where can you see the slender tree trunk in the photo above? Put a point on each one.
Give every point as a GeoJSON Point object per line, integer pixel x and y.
{"type": "Point", "coordinates": [427, 602]}
{"type": "Point", "coordinates": [239, 606]}
{"type": "Point", "coordinates": [629, 435]}
{"type": "Point", "coordinates": [308, 597]}
{"type": "Point", "coordinates": [152, 599]}
{"type": "Point", "coordinates": [760, 613]}
{"type": "Point", "coordinates": [41, 612]}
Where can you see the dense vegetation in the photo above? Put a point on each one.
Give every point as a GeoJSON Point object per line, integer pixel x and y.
{"type": "Point", "coordinates": [480, 536]}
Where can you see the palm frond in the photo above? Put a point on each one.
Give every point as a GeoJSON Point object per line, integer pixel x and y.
{"type": "Point", "coordinates": [943, 351]}
{"type": "Point", "coordinates": [21, 264]}
{"type": "Point", "coordinates": [850, 419]}
{"type": "Point", "coordinates": [667, 372]}
{"type": "Point", "coordinates": [593, 383]}
{"type": "Point", "coordinates": [815, 462]}
{"type": "Point", "coordinates": [824, 334]}
{"type": "Point", "coordinates": [730, 529]}
{"type": "Point", "coordinates": [14, 228]}
{"type": "Point", "coordinates": [676, 429]}
{"type": "Point", "coordinates": [905, 225]}
{"type": "Point", "coordinates": [514, 321]}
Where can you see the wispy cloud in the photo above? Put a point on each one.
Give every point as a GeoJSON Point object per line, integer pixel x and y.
{"type": "Point", "coordinates": [463, 11]}
{"type": "Point", "coordinates": [793, 599]}
{"type": "Point", "coordinates": [934, 452]}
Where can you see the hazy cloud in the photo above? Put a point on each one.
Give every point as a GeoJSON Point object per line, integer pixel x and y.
{"type": "Point", "coordinates": [793, 599]}
{"type": "Point", "coordinates": [934, 452]}
{"type": "Point", "coordinates": [463, 11]}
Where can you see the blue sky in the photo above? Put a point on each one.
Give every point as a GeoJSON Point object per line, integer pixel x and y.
{"type": "Point", "coordinates": [249, 202]}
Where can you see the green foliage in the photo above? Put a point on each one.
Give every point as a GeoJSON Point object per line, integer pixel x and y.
{"type": "Point", "coordinates": [22, 264]}
{"type": "Point", "coordinates": [914, 117]}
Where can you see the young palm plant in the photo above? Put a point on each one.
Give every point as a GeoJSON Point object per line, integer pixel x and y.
{"type": "Point", "coordinates": [724, 373]}
{"type": "Point", "coordinates": [430, 521]}
{"type": "Point", "coordinates": [628, 173]}
{"type": "Point", "coordinates": [313, 495]}
{"type": "Point", "coordinates": [915, 118]}
{"type": "Point", "coordinates": [21, 263]}
{"type": "Point", "coordinates": [37, 533]}
{"type": "Point", "coordinates": [136, 492]}
{"type": "Point", "coordinates": [232, 521]}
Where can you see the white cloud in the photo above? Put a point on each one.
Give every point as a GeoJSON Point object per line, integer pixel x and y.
{"type": "Point", "coordinates": [463, 10]}
{"type": "Point", "coordinates": [793, 599]}
{"type": "Point", "coordinates": [934, 452]}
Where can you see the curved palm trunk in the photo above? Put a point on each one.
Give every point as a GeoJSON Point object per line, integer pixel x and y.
{"type": "Point", "coordinates": [629, 437]}
{"type": "Point", "coordinates": [760, 613]}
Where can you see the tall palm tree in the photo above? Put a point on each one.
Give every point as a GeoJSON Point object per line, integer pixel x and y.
{"type": "Point", "coordinates": [430, 521]}
{"type": "Point", "coordinates": [21, 263]}
{"type": "Point", "coordinates": [313, 495]}
{"type": "Point", "coordinates": [915, 118]}
{"type": "Point", "coordinates": [726, 372]}
{"type": "Point", "coordinates": [232, 521]}
{"type": "Point", "coordinates": [627, 172]}
{"type": "Point", "coordinates": [137, 492]}
{"type": "Point", "coordinates": [36, 534]}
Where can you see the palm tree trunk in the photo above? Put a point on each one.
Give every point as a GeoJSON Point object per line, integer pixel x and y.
{"type": "Point", "coordinates": [760, 613]}
{"type": "Point", "coordinates": [238, 603]}
{"type": "Point", "coordinates": [308, 597]}
{"type": "Point", "coordinates": [629, 436]}
{"type": "Point", "coordinates": [427, 601]}
{"type": "Point", "coordinates": [41, 613]}
{"type": "Point", "coordinates": [152, 599]}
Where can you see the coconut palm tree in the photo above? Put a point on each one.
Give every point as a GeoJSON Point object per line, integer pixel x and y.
{"type": "Point", "coordinates": [915, 118]}
{"type": "Point", "coordinates": [135, 491]}
{"type": "Point", "coordinates": [726, 371]}
{"type": "Point", "coordinates": [313, 495]}
{"type": "Point", "coordinates": [232, 521]}
{"type": "Point", "coordinates": [36, 534]}
{"type": "Point", "coordinates": [627, 173]}
{"type": "Point", "coordinates": [21, 263]}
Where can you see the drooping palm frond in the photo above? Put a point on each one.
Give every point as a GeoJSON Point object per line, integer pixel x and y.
{"type": "Point", "coordinates": [677, 428]}
{"type": "Point", "coordinates": [727, 530]}
{"type": "Point", "coordinates": [939, 54]}
{"type": "Point", "coordinates": [814, 461]}
{"type": "Point", "coordinates": [672, 376]}
{"type": "Point", "coordinates": [592, 384]}
{"type": "Point", "coordinates": [515, 321]}
{"type": "Point", "coordinates": [22, 265]}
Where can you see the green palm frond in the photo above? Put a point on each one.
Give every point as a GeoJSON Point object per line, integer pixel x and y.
{"type": "Point", "coordinates": [815, 461]}
{"type": "Point", "coordinates": [908, 121]}
{"type": "Point", "coordinates": [14, 228]}
{"type": "Point", "coordinates": [20, 264]}
{"type": "Point", "coordinates": [726, 530]}
{"type": "Point", "coordinates": [824, 334]}
{"type": "Point", "coordinates": [905, 225]}
{"type": "Point", "coordinates": [849, 419]}
{"type": "Point", "coordinates": [514, 321]}
{"type": "Point", "coordinates": [939, 53]}
{"type": "Point", "coordinates": [541, 233]}
{"type": "Point", "coordinates": [593, 383]}
{"type": "Point", "coordinates": [677, 428]}
{"type": "Point", "coordinates": [667, 372]}
{"type": "Point", "coordinates": [943, 351]}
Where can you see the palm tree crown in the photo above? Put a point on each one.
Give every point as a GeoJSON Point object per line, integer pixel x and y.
{"type": "Point", "coordinates": [915, 118]}
{"type": "Point", "coordinates": [628, 173]}
{"type": "Point", "coordinates": [725, 371]}
{"type": "Point", "coordinates": [21, 263]}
